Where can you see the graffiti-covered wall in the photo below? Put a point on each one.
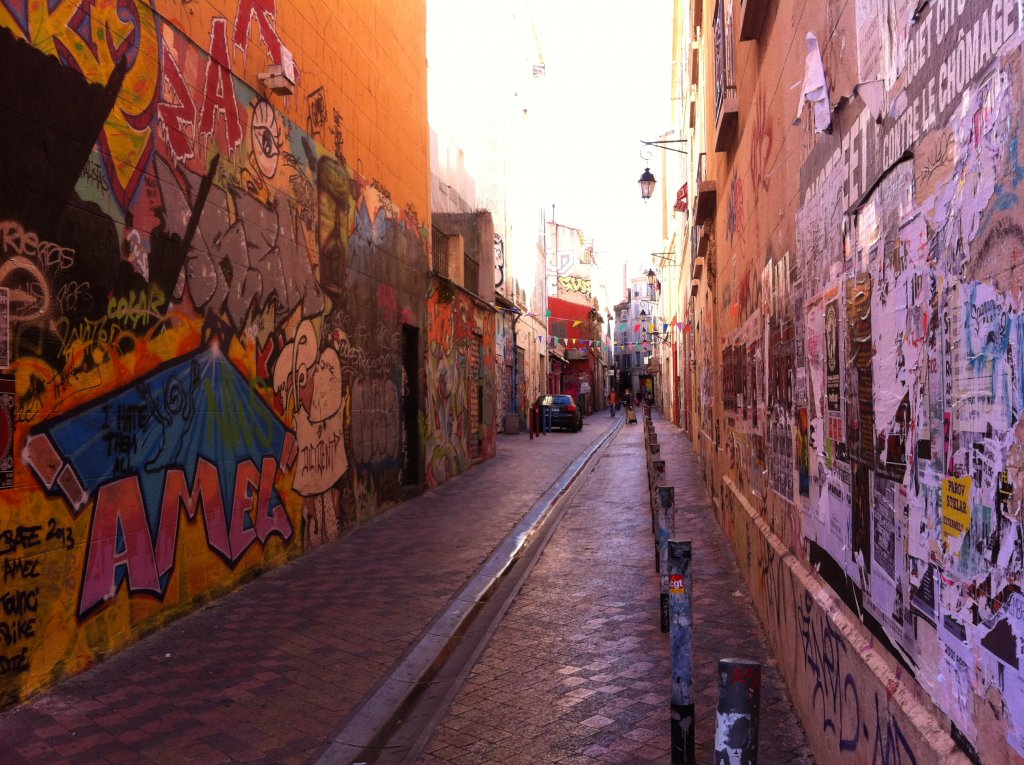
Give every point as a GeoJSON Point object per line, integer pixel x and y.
{"type": "Point", "coordinates": [459, 421]}
{"type": "Point", "coordinates": [869, 369]}
{"type": "Point", "coordinates": [211, 305]}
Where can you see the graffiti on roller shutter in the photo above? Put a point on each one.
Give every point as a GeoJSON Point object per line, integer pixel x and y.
{"type": "Point", "coordinates": [376, 431]}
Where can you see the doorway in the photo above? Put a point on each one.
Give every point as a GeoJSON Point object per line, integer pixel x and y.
{"type": "Point", "coordinates": [411, 408]}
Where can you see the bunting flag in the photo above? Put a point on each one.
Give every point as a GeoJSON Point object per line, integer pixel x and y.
{"type": "Point", "coordinates": [636, 328]}
{"type": "Point", "coordinates": [577, 323]}
{"type": "Point", "coordinates": [548, 313]}
{"type": "Point", "coordinates": [664, 327]}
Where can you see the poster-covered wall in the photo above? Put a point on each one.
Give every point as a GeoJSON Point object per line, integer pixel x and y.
{"type": "Point", "coordinates": [869, 385]}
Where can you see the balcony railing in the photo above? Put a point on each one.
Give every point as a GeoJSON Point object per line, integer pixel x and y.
{"type": "Point", "coordinates": [707, 193]}
{"type": "Point", "coordinates": [726, 109]}
{"type": "Point", "coordinates": [725, 83]}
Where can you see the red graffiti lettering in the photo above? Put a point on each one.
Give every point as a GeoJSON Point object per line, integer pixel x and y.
{"type": "Point", "coordinates": [264, 12]}
{"type": "Point", "coordinates": [218, 91]}
{"type": "Point", "coordinates": [177, 118]}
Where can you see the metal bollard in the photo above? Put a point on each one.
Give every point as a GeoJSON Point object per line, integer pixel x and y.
{"type": "Point", "coordinates": [653, 453]}
{"type": "Point", "coordinates": [739, 711]}
{"type": "Point", "coordinates": [530, 419]}
{"type": "Point", "coordinates": [666, 525]}
{"type": "Point", "coordinates": [548, 419]}
{"type": "Point", "coordinates": [681, 652]}
{"type": "Point", "coordinates": [657, 480]}
{"type": "Point", "coordinates": [657, 474]}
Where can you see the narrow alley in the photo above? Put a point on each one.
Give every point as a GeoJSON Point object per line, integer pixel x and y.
{"type": "Point", "coordinates": [577, 671]}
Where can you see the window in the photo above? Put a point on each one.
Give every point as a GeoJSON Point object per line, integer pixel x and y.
{"type": "Point", "coordinates": [439, 252]}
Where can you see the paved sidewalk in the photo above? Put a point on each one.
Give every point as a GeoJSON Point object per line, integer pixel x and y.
{"type": "Point", "coordinates": [268, 673]}
{"type": "Point", "coordinates": [725, 623]}
{"type": "Point", "coordinates": [577, 673]}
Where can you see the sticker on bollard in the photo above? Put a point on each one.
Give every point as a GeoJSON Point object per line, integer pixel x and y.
{"type": "Point", "coordinates": [681, 652]}
{"type": "Point", "coordinates": [739, 712]}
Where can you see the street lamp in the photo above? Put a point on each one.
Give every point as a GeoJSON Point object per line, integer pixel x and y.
{"type": "Point", "coordinates": [647, 181]}
{"type": "Point", "coordinates": [649, 336]}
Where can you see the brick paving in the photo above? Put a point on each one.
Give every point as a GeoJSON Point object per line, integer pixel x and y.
{"type": "Point", "coordinates": [577, 672]}
{"type": "Point", "coordinates": [269, 672]}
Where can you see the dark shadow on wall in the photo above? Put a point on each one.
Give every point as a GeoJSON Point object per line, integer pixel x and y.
{"type": "Point", "coordinates": [63, 257]}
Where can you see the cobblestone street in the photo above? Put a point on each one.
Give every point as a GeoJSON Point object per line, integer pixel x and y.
{"type": "Point", "coordinates": [578, 671]}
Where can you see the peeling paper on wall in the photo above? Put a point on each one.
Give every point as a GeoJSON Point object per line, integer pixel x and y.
{"type": "Point", "coordinates": [1000, 663]}
{"type": "Point", "coordinates": [815, 89]}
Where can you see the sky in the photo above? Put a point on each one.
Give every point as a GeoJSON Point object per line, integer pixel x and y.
{"type": "Point", "coordinates": [606, 87]}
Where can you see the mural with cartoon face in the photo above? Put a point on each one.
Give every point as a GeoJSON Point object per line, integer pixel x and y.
{"type": "Point", "coordinates": [203, 306]}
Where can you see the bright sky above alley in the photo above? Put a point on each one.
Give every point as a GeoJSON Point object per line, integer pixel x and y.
{"type": "Point", "coordinates": [605, 87]}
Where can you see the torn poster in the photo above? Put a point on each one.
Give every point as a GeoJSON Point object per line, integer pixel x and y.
{"type": "Point", "coordinates": [815, 89]}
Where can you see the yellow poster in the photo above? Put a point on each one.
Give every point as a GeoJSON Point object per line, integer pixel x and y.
{"type": "Point", "coordinates": [956, 510]}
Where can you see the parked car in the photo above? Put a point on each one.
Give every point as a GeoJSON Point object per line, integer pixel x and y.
{"type": "Point", "coordinates": [564, 412]}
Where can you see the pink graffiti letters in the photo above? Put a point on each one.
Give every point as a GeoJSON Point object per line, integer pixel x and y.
{"type": "Point", "coordinates": [120, 537]}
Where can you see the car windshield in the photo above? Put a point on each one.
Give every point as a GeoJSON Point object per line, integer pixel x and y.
{"type": "Point", "coordinates": [555, 399]}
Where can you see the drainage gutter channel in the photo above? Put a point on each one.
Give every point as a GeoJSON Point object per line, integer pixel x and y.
{"type": "Point", "coordinates": [364, 735]}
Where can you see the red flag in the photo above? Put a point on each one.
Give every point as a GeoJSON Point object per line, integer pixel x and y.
{"type": "Point", "coordinates": [682, 199]}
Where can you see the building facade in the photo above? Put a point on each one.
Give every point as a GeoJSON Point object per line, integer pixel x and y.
{"type": "Point", "coordinates": [852, 355]}
{"type": "Point", "coordinates": [214, 335]}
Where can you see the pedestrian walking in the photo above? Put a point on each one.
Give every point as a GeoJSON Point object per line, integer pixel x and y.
{"type": "Point", "coordinates": [613, 399]}
{"type": "Point", "coordinates": [630, 413]}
